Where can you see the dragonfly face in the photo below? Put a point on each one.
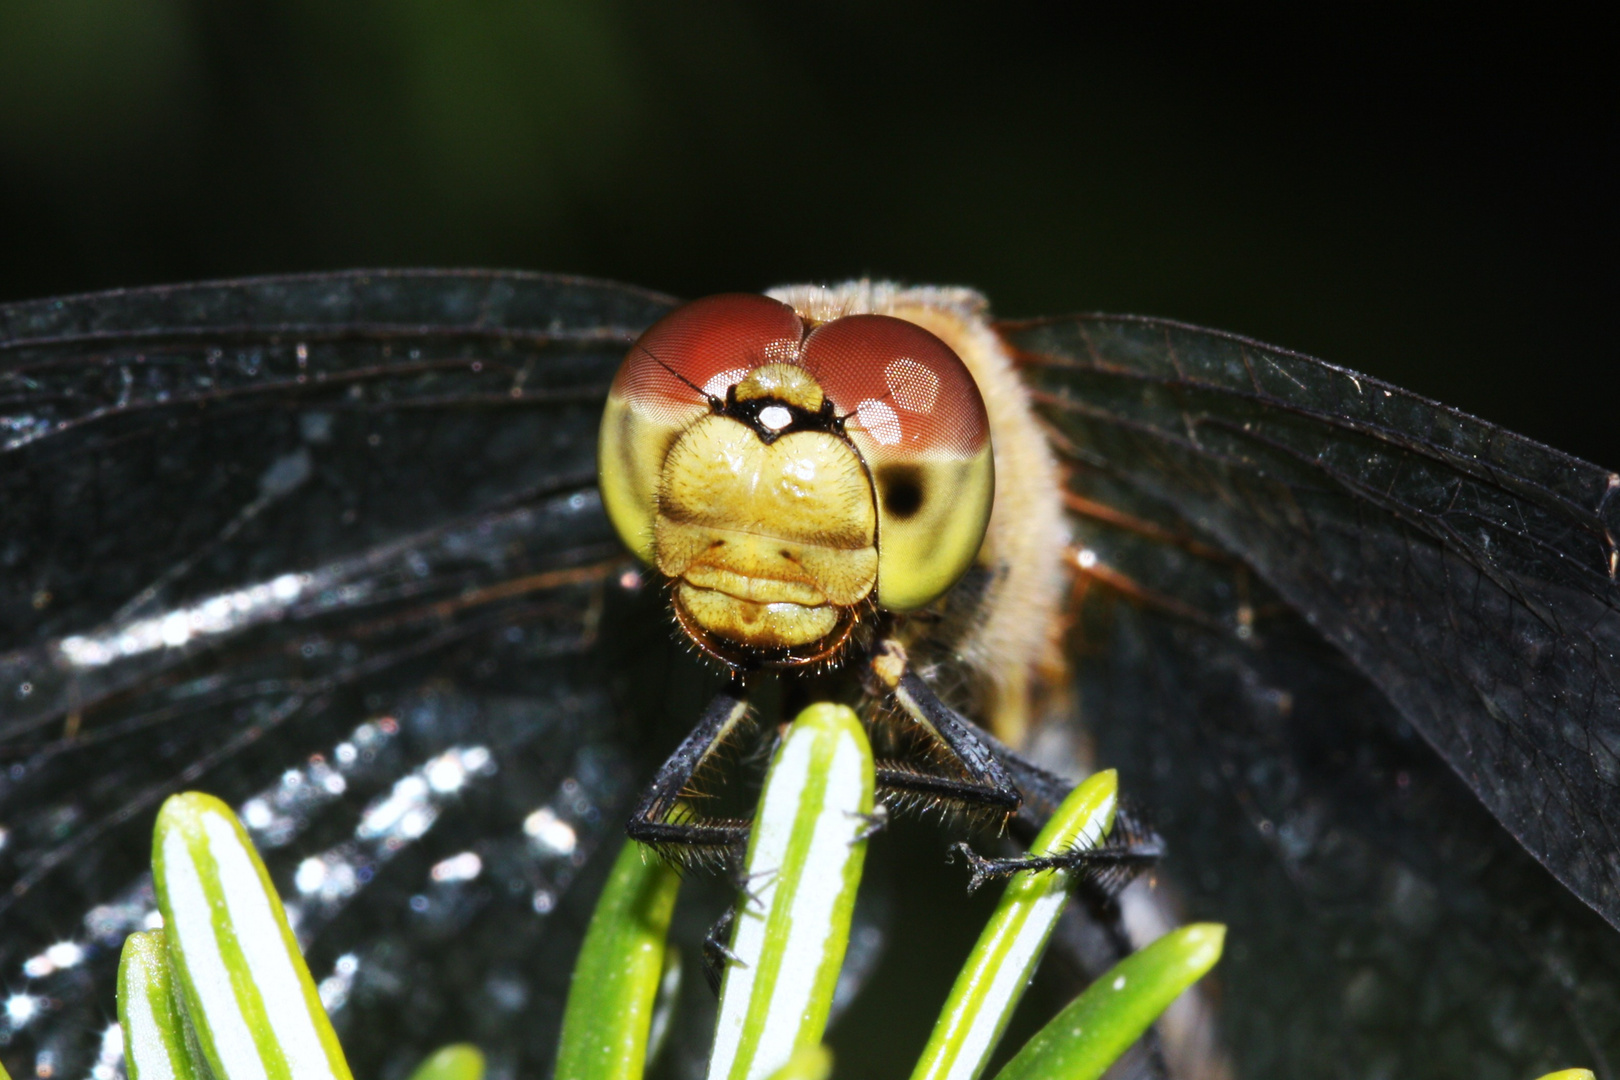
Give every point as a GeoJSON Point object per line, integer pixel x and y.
{"type": "Point", "coordinates": [785, 475]}
{"type": "Point", "coordinates": [785, 471]}
{"type": "Point", "coordinates": [312, 543]}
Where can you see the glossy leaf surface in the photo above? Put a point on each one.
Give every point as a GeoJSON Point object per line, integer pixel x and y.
{"type": "Point", "coordinates": [615, 980]}
{"type": "Point", "coordinates": [1008, 952]}
{"type": "Point", "coordinates": [1083, 1040]}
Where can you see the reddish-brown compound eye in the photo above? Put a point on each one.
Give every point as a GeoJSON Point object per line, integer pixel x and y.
{"type": "Point", "coordinates": [909, 393]}
{"type": "Point", "coordinates": [917, 417]}
{"type": "Point", "coordinates": [709, 344]}
{"type": "Point", "coordinates": [894, 412]}
{"type": "Point", "coordinates": [690, 355]}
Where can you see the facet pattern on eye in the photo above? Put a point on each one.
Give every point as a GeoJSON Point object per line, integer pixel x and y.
{"type": "Point", "coordinates": [864, 361]}
{"type": "Point", "coordinates": [727, 419]}
{"type": "Point", "coordinates": [914, 386]}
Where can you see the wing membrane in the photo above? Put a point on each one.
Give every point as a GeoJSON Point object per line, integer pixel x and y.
{"type": "Point", "coordinates": [309, 542]}
{"type": "Point", "coordinates": [1468, 572]}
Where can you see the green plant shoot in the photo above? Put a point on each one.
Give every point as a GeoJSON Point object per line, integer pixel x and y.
{"type": "Point", "coordinates": [609, 1016]}
{"type": "Point", "coordinates": [804, 866]}
{"type": "Point", "coordinates": [1002, 963]}
{"type": "Point", "coordinates": [244, 985]}
{"type": "Point", "coordinates": [1083, 1040]}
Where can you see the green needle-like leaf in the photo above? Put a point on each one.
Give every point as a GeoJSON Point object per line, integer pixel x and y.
{"type": "Point", "coordinates": [156, 1046]}
{"type": "Point", "coordinates": [804, 864]}
{"type": "Point", "coordinates": [615, 984]}
{"type": "Point", "coordinates": [1101, 1024]}
{"type": "Point", "coordinates": [810, 1063]}
{"type": "Point", "coordinates": [245, 987]}
{"type": "Point", "coordinates": [1002, 963]}
{"type": "Point", "coordinates": [462, 1061]}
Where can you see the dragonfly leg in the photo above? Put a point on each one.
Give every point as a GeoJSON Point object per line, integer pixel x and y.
{"type": "Point", "coordinates": [996, 778]}
{"type": "Point", "coordinates": [872, 824]}
{"type": "Point", "coordinates": [970, 776]}
{"type": "Point", "coordinates": [665, 818]}
{"type": "Point", "coordinates": [964, 773]}
{"type": "Point", "coordinates": [717, 955]}
{"type": "Point", "coordinates": [1106, 868]}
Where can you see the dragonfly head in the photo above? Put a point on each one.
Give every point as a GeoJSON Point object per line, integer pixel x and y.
{"type": "Point", "coordinates": [787, 475]}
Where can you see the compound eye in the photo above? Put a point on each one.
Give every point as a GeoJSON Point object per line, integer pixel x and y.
{"type": "Point", "coordinates": [690, 356]}
{"type": "Point", "coordinates": [916, 415]}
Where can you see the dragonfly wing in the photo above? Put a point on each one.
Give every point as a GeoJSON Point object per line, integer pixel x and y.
{"type": "Point", "coordinates": [178, 441]}
{"type": "Point", "coordinates": [329, 546]}
{"type": "Point", "coordinates": [1467, 571]}
{"type": "Point", "coordinates": [1380, 916]}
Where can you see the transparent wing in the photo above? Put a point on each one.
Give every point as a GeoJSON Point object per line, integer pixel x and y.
{"type": "Point", "coordinates": [1469, 572]}
{"type": "Point", "coordinates": [1352, 568]}
{"type": "Point", "coordinates": [329, 546]}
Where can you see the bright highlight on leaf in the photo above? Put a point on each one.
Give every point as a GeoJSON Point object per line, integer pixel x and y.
{"type": "Point", "coordinates": [245, 987]}
{"type": "Point", "coordinates": [1002, 963]}
{"type": "Point", "coordinates": [609, 1015]}
{"type": "Point", "coordinates": [810, 1063]}
{"type": "Point", "coordinates": [1571, 1074]}
{"type": "Point", "coordinates": [462, 1061]}
{"type": "Point", "coordinates": [804, 864]}
{"type": "Point", "coordinates": [1113, 1012]}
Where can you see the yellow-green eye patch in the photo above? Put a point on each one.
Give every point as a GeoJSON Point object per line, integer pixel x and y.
{"type": "Point", "coordinates": [785, 478]}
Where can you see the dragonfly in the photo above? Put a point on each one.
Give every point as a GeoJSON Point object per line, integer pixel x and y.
{"type": "Point", "coordinates": [333, 547]}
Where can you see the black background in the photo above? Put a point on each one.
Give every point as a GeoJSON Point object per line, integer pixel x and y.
{"type": "Point", "coordinates": [1424, 199]}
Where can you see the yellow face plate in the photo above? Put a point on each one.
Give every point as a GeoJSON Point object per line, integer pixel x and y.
{"type": "Point", "coordinates": [765, 539]}
{"type": "Point", "coordinates": [787, 475]}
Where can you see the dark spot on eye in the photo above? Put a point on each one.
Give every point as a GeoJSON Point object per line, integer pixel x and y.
{"type": "Point", "coordinates": [716, 543]}
{"type": "Point", "coordinates": [902, 491]}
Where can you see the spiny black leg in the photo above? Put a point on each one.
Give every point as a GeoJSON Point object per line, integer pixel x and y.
{"type": "Point", "coordinates": [664, 819]}
{"type": "Point", "coordinates": [983, 783]}
{"type": "Point", "coordinates": [1099, 878]}
{"type": "Point", "coordinates": [1102, 871]}
{"type": "Point", "coordinates": [1107, 867]}
{"type": "Point", "coordinates": [717, 954]}
{"type": "Point", "coordinates": [1034, 793]}
{"type": "Point", "coordinates": [872, 824]}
